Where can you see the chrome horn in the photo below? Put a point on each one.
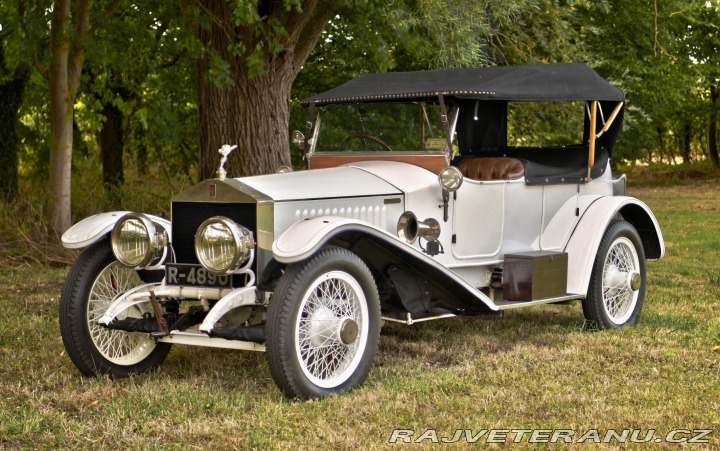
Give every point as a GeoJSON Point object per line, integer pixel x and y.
{"type": "Point", "coordinates": [409, 228]}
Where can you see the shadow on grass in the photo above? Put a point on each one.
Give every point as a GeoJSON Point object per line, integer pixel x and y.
{"type": "Point", "coordinates": [445, 342]}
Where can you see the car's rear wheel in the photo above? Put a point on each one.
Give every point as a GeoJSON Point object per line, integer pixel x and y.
{"type": "Point", "coordinates": [323, 325]}
{"type": "Point", "coordinates": [617, 284]}
{"type": "Point", "coordinates": [92, 285]}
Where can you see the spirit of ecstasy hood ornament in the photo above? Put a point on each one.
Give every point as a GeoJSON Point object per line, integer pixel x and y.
{"type": "Point", "coordinates": [224, 151]}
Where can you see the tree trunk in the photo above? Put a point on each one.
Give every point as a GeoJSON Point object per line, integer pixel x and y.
{"type": "Point", "coordinates": [111, 147]}
{"type": "Point", "coordinates": [712, 126]}
{"type": "Point", "coordinates": [11, 95]}
{"type": "Point", "coordinates": [687, 139]}
{"type": "Point", "coordinates": [252, 114]}
{"type": "Point", "coordinates": [64, 74]}
{"type": "Point", "coordinates": [141, 155]}
{"type": "Point", "coordinates": [61, 119]}
{"type": "Point", "coordinates": [661, 143]}
{"type": "Point", "coordinates": [254, 111]}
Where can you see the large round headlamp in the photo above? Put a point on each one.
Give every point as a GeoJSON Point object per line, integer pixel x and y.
{"type": "Point", "coordinates": [136, 241]}
{"type": "Point", "coordinates": [450, 178]}
{"type": "Point", "coordinates": [222, 246]}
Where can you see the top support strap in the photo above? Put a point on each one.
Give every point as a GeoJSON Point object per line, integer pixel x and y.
{"type": "Point", "coordinates": [445, 124]}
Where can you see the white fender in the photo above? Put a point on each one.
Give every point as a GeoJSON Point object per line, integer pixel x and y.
{"type": "Point", "coordinates": [585, 240]}
{"type": "Point", "coordinates": [303, 238]}
{"type": "Point", "coordinates": [96, 227]}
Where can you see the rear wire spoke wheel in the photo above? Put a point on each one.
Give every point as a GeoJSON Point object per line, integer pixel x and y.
{"type": "Point", "coordinates": [93, 284]}
{"type": "Point", "coordinates": [617, 284]}
{"type": "Point", "coordinates": [323, 325]}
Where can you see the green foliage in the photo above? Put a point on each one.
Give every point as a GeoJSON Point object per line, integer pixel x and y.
{"type": "Point", "coordinates": [456, 32]}
{"type": "Point", "coordinates": [397, 36]}
{"type": "Point", "coordinates": [142, 59]}
{"type": "Point", "coordinates": [648, 53]}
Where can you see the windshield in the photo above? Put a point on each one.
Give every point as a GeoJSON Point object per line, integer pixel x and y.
{"type": "Point", "coordinates": [381, 127]}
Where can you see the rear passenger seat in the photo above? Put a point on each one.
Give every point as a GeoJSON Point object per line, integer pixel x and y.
{"type": "Point", "coordinates": [492, 168]}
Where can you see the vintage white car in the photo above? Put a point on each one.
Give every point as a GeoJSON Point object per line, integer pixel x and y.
{"type": "Point", "coordinates": [425, 198]}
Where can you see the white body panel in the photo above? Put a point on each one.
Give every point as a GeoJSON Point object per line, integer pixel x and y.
{"type": "Point", "coordinates": [558, 215]}
{"type": "Point", "coordinates": [372, 210]}
{"type": "Point", "coordinates": [96, 227]}
{"type": "Point", "coordinates": [488, 220]}
{"type": "Point", "coordinates": [405, 177]}
{"type": "Point", "coordinates": [340, 182]}
{"type": "Point", "coordinates": [478, 219]}
{"type": "Point", "coordinates": [415, 188]}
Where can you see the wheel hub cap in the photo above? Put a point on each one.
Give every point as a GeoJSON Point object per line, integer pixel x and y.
{"type": "Point", "coordinates": [616, 279]}
{"type": "Point", "coordinates": [326, 328]}
{"type": "Point", "coordinates": [348, 331]}
{"type": "Point", "coordinates": [323, 325]}
{"type": "Point", "coordinates": [634, 281]}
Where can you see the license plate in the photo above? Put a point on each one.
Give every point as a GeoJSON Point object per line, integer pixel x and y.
{"type": "Point", "coordinates": [194, 276]}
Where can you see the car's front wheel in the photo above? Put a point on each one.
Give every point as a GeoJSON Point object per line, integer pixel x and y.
{"type": "Point", "coordinates": [617, 284]}
{"type": "Point", "coordinates": [93, 283]}
{"type": "Point", "coordinates": [323, 325]}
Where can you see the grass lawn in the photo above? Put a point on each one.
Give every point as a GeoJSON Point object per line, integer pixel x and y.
{"type": "Point", "coordinates": [533, 368]}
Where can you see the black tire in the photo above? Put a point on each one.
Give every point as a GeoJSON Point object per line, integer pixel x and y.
{"type": "Point", "coordinates": [317, 348]}
{"type": "Point", "coordinates": [616, 295]}
{"type": "Point", "coordinates": [94, 280]}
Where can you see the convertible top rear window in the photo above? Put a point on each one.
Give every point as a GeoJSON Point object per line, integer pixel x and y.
{"type": "Point", "coordinates": [542, 124]}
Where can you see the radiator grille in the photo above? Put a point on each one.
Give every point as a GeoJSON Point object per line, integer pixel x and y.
{"type": "Point", "coordinates": [187, 217]}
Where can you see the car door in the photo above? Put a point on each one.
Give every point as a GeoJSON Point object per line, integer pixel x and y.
{"type": "Point", "coordinates": [478, 219]}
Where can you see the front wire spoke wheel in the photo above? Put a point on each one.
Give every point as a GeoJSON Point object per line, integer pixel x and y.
{"type": "Point", "coordinates": [122, 348]}
{"type": "Point", "coordinates": [333, 310]}
{"type": "Point", "coordinates": [94, 282]}
{"type": "Point", "coordinates": [323, 325]}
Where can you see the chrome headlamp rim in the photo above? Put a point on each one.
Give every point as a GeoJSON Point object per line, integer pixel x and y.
{"type": "Point", "coordinates": [455, 179]}
{"type": "Point", "coordinates": [154, 245]}
{"type": "Point", "coordinates": [242, 239]}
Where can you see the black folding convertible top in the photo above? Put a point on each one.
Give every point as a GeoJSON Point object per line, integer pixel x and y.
{"type": "Point", "coordinates": [483, 95]}
{"type": "Point", "coordinates": [564, 81]}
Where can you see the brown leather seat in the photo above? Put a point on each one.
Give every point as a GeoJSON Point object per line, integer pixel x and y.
{"type": "Point", "coordinates": [492, 168]}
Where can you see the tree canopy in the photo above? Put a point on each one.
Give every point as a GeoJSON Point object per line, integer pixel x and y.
{"type": "Point", "coordinates": [155, 88]}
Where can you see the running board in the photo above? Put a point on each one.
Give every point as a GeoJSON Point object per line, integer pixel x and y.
{"type": "Point", "coordinates": [201, 339]}
{"type": "Point", "coordinates": [409, 320]}
{"type": "Point", "coordinates": [505, 305]}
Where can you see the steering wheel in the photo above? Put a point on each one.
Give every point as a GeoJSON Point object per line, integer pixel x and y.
{"type": "Point", "coordinates": [364, 138]}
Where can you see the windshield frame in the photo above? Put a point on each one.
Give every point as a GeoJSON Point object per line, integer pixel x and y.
{"type": "Point", "coordinates": [453, 113]}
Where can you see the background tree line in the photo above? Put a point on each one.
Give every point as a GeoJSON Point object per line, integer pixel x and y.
{"type": "Point", "coordinates": [154, 88]}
